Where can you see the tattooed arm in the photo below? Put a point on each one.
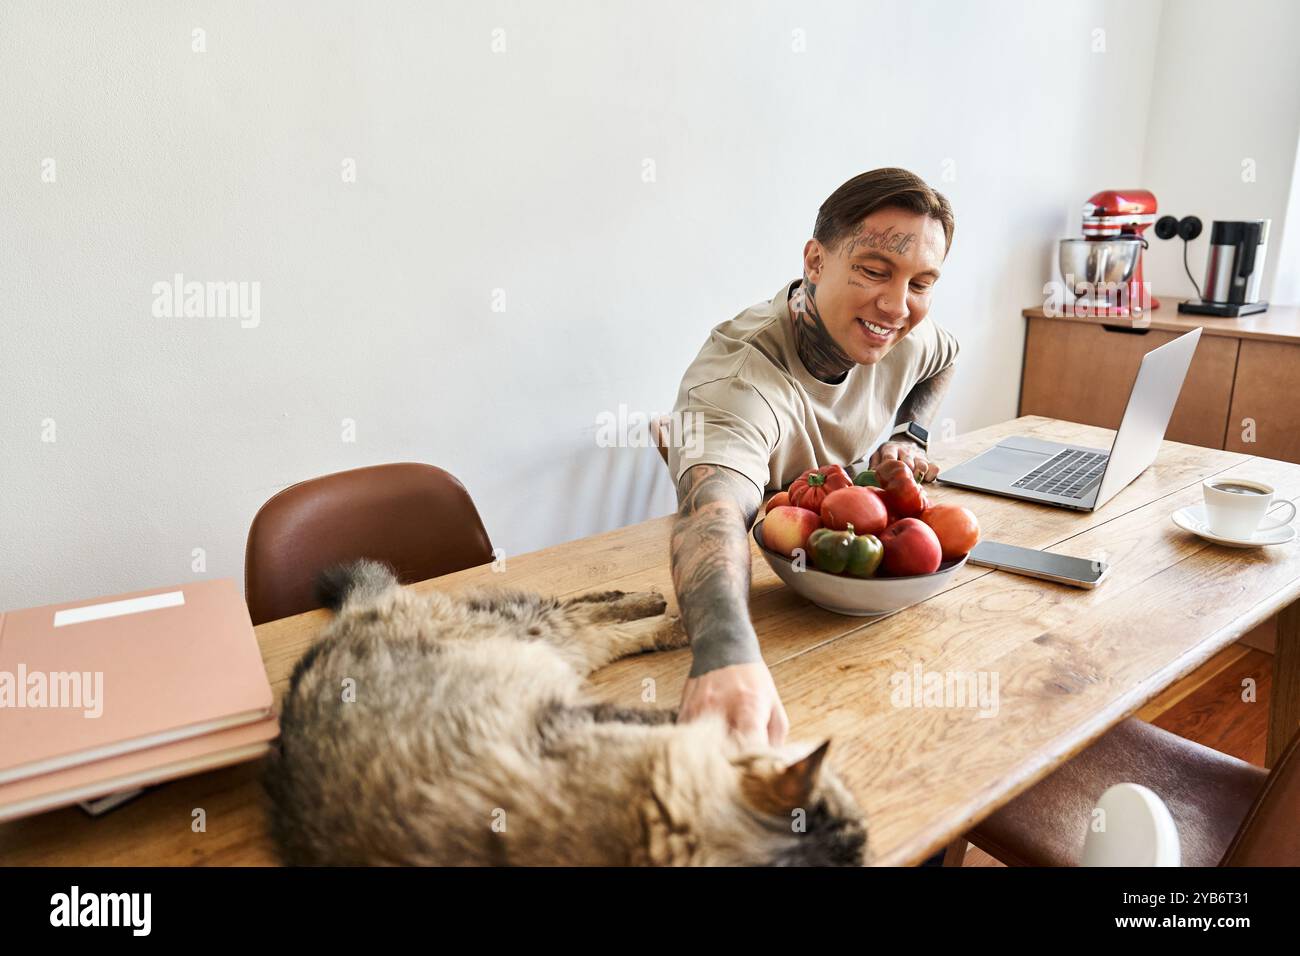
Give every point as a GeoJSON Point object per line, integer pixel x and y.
{"type": "Point", "coordinates": [919, 406]}
{"type": "Point", "coordinates": [924, 398]}
{"type": "Point", "coordinates": [710, 564]}
{"type": "Point", "coordinates": [710, 559]}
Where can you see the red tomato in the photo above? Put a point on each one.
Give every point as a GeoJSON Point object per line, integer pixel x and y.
{"type": "Point", "coordinates": [957, 527]}
{"type": "Point", "coordinates": [810, 489]}
{"type": "Point", "coordinates": [898, 484]}
{"type": "Point", "coordinates": [894, 515]}
{"type": "Point", "coordinates": [779, 500]}
{"type": "Point", "coordinates": [861, 507]}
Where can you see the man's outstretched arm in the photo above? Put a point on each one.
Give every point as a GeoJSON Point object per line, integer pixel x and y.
{"type": "Point", "coordinates": [710, 560]}
{"type": "Point", "coordinates": [920, 406]}
{"type": "Point", "coordinates": [922, 402]}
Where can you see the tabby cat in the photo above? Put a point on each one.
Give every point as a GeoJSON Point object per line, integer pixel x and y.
{"type": "Point", "coordinates": [435, 729]}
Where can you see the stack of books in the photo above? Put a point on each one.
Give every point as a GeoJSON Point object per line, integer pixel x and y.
{"type": "Point", "coordinates": [99, 699]}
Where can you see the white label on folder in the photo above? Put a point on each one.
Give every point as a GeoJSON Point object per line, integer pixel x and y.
{"type": "Point", "coordinates": [97, 612]}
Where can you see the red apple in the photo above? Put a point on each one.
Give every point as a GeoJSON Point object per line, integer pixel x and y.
{"type": "Point", "coordinates": [911, 547]}
{"type": "Point", "coordinates": [956, 527]}
{"type": "Point", "coordinates": [861, 507]}
{"type": "Point", "coordinates": [786, 528]}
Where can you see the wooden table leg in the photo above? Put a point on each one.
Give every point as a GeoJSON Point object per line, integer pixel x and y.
{"type": "Point", "coordinates": [955, 854]}
{"type": "Point", "coordinates": [1284, 711]}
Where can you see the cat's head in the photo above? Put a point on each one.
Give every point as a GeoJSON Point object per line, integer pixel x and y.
{"type": "Point", "coordinates": [803, 812]}
{"type": "Point", "coordinates": [712, 802]}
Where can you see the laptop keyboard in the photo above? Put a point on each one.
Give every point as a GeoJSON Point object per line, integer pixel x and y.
{"type": "Point", "coordinates": [1069, 473]}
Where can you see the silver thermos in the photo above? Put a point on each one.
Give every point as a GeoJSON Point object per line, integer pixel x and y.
{"type": "Point", "coordinates": [1233, 270]}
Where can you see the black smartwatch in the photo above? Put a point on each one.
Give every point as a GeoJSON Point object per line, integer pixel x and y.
{"type": "Point", "coordinates": [913, 432]}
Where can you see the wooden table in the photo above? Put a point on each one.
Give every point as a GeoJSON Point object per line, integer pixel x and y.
{"type": "Point", "coordinates": [1070, 663]}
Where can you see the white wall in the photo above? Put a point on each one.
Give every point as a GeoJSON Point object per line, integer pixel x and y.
{"type": "Point", "coordinates": [1223, 131]}
{"type": "Point", "coordinates": [476, 171]}
{"type": "Point", "coordinates": [1286, 285]}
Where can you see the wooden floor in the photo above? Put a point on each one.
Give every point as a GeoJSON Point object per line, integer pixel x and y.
{"type": "Point", "coordinates": [1211, 706]}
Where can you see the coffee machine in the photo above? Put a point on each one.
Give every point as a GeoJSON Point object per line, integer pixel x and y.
{"type": "Point", "coordinates": [1105, 266]}
{"type": "Point", "coordinates": [1234, 269]}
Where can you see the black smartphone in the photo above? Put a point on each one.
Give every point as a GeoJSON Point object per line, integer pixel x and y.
{"type": "Point", "coordinates": [1061, 568]}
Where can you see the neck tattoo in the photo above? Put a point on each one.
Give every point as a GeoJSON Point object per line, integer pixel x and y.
{"type": "Point", "coordinates": [821, 356]}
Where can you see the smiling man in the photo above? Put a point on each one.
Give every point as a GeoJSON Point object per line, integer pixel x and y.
{"type": "Point", "coordinates": [833, 363]}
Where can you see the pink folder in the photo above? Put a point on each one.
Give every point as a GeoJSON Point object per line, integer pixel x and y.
{"type": "Point", "coordinates": [139, 768]}
{"type": "Point", "coordinates": [92, 681]}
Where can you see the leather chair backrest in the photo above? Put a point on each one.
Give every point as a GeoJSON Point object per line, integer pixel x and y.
{"type": "Point", "coordinates": [661, 432]}
{"type": "Point", "coordinates": [415, 517]}
{"type": "Point", "coordinates": [1270, 834]}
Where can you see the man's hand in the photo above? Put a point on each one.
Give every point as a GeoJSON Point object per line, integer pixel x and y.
{"type": "Point", "coordinates": [911, 454]}
{"type": "Point", "coordinates": [745, 696]}
{"type": "Point", "coordinates": [920, 406]}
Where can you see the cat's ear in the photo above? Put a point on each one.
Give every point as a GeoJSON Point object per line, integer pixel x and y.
{"type": "Point", "coordinates": [782, 788]}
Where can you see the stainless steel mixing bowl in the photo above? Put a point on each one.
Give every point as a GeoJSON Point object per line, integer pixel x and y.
{"type": "Point", "coordinates": [1098, 262]}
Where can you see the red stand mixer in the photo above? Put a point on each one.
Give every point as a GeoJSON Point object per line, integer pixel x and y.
{"type": "Point", "coordinates": [1104, 269]}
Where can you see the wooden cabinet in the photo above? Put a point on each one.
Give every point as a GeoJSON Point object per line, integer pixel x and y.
{"type": "Point", "coordinates": [1082, 370]}
{"type": "Point", "coordinates": [1265, 416]}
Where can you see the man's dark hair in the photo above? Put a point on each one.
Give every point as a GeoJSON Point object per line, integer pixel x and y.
{"type": "Point", "coordinates": [886, 188]}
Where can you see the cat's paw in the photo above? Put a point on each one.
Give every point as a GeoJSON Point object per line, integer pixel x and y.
{"type": "Point", "coordinates": [672, 634]}
{"type": "Point", "coordinates": [621, 605]}
{"type": "Point", "coordinates": [644, 604]}
{"type": "Point", "coordinates": [598, 597]}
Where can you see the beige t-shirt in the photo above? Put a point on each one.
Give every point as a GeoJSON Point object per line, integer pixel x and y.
{"type": "Point", "coordinates": [748, 402]}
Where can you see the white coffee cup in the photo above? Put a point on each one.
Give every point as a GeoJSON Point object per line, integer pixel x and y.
{"type": "Point", "coordinates": [1235, 507]}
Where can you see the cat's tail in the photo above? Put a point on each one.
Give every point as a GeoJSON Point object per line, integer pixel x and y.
{"type": "Point", "coordinates": [356, 581]}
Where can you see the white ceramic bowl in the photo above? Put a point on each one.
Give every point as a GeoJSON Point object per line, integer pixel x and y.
{"type": "Point", "coordinates": [857, 597]}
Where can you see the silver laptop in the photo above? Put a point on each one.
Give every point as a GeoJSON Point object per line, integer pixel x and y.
{"type": "Point", "coordinates": [1086, 478]}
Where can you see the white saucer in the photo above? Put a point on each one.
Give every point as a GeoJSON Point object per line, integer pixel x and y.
{"type": "Point", "coordinates": [1192, 519]}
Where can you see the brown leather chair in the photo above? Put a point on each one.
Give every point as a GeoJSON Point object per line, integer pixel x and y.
{"type": "Point", "coordinates": [1228, 812]}
{"type": "Point", "coordinates": [661, 432]}
{"type": "Point", "coordinates": [415, 517]}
